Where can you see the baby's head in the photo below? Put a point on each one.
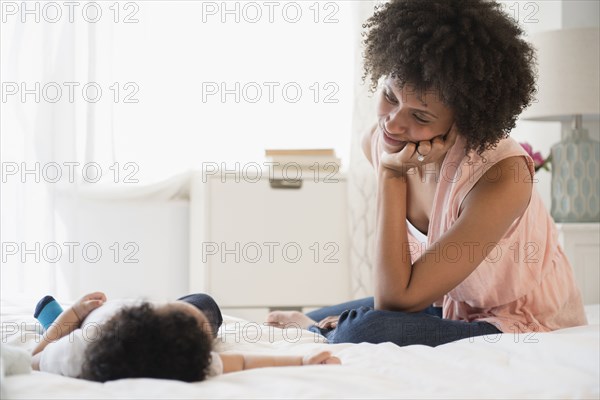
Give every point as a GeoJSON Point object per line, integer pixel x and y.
{"type": "Point", "coordinates": [171, 341]}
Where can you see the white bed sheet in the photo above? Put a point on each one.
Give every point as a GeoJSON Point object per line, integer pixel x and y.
{"type": "Point", "coordinates": [561, 364]}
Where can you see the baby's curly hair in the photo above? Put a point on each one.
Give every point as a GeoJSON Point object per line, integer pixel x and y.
{"type": "Point", "coordinates": [468, 51]}
{"type": "Point", "coordinates": [140, 342]}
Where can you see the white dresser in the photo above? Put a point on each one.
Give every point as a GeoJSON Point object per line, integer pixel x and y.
{"type": "Point", "coordinates": [581, 243]}
{"type": "Point", "coordinates": [258, 244]}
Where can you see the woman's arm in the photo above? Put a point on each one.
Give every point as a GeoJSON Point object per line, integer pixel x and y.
{"type": "Point", "coordinates": [493, 204]}
{"type": "Point", "coordinates": [240, 362]}
{"type": "Point", "coordinates": [67, 322]}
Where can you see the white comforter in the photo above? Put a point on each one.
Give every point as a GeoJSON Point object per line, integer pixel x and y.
{"type": "Point", "coordinates": [561, 364]}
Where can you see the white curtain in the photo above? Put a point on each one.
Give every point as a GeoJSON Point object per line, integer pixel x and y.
{"type": "Point", "coordinates": [42, 134]}
{"type": "Point", "coordinates": [361, 177]}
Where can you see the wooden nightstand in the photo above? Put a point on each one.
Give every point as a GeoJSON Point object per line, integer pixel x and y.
{"type": "Point", "coordinates": [581, 243]}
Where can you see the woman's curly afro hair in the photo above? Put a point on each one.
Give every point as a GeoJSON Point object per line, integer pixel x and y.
{"type": "Point", "coordinates": [142, 342]}
{"type": "Point", "coordinates": [468, 51]}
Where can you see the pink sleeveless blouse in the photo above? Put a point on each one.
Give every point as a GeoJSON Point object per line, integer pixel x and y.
{"type": "Point", "coordinates": [526, 283]}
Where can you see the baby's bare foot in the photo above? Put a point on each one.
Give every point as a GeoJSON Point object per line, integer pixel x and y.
{"type": "Point", "coordinates": [283, 318]}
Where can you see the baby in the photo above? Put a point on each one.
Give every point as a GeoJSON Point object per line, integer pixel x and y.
{"type": "Point", "coordinates": [102, 341]}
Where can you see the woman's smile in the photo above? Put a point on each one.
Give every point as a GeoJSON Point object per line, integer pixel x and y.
{"type": "Point", "coordinates": [390, 141]}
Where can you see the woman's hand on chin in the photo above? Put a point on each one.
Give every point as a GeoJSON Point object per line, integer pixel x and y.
{"type": "Point", "coordinates": [415, 155]}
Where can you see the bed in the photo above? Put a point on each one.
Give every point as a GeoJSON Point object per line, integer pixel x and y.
{"type": "Point", "coordinates": [560, 364]}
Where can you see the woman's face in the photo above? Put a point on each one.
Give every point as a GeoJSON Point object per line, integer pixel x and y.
{"type": "Point", "coordinates": [408, 116]}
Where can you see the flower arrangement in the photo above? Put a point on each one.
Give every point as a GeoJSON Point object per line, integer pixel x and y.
{"type": "Point", "coordinates": [539, 161]}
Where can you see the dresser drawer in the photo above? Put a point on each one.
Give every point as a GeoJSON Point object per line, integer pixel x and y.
{"type": "Point", "coordinates": [581, 243]}
{"type": "Point", "coordinates": [255, 244]}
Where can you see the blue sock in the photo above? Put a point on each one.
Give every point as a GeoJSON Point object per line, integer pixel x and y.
{"type": "Point", "coordinates": [47, 310]}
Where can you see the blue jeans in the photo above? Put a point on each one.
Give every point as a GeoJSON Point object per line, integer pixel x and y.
{"type": "Point", "coordinates": [360, 322]}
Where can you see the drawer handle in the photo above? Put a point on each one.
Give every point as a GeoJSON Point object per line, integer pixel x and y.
{"type": "Point", "coordinates": [285, 183]}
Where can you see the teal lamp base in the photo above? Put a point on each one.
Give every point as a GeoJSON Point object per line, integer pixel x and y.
{"type": "Point", "coordinates": [575, 178]}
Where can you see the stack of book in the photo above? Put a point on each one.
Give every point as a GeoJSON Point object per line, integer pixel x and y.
{"type": "Point", "coordinates": [308, 161]}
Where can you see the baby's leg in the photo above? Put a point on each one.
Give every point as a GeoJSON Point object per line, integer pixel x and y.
{"type": "Point", "coordinates": [47, 310]}
{"type": "Point", "coordinates": [208, 306]}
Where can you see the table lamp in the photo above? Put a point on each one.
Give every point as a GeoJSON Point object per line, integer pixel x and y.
{"type": "Point", "coordinates": [568, 90]}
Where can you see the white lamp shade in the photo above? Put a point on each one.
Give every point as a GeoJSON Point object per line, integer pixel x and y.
{"type": "Point", "coordinates": [568, 70]}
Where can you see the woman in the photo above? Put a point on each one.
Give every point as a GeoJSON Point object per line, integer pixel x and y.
{"type": "Point", "coordinates": [459, 222]}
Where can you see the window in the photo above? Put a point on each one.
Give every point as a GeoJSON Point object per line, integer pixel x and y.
{"type": "Point", "coordinates": [158, 87]}
{"type": "Point", "coordinates": [222, 81]}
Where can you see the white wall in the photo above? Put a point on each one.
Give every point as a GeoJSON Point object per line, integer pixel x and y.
{"type": "Point", "coordinates": [582, 14]}
{"type": "Point", "coordinates": [543, 16]}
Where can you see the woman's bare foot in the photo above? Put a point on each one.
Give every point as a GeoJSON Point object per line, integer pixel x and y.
{"type": "Point", "coordinates": [283, 318]}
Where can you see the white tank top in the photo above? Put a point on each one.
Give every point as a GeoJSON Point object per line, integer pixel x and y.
{"type": "Point", "coordinates": [420, 236]}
